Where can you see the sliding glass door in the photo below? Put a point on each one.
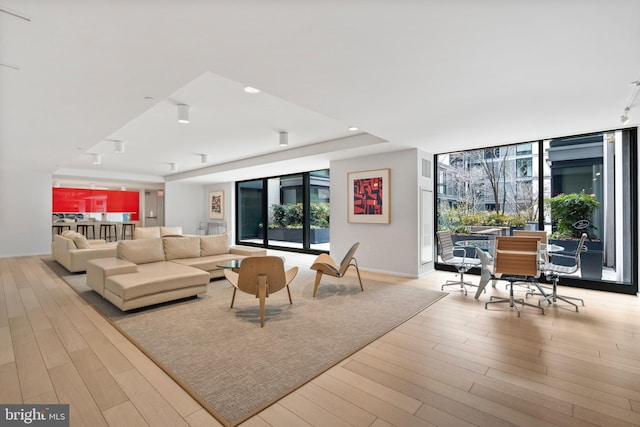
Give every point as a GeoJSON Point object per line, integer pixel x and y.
{"type": "Point", "coordinates": [289, 212]}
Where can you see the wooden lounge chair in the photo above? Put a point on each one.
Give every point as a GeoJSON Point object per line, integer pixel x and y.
{"type": "Point", "coordinates": [324, 264]}
{"type": "Point", "coordinates": [261, 276]}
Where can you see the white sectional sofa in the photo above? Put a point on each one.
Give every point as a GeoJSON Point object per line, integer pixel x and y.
{"type": "Point", "coordinates": [72, 250]}
{"type": "Point", "coordinates": [153, 270]}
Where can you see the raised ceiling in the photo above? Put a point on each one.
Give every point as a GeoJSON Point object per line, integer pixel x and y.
{"type": "Point", "coordinates": [429, 74]}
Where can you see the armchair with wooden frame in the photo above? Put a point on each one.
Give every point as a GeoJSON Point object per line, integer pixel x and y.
{"type": "Point", "coordinates": [261, 276]}
{"type": "Point", "coordinates": [324, 264]}
{"type": "Point", "coordinates": [516, 260]}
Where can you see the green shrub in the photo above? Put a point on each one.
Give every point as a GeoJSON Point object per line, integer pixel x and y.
{"type": "Point", "coordinates": [568, 209]}
{"type": "Point", "coordinates": [291, 215]}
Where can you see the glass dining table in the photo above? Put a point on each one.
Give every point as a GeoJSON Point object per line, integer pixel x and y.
{"type": "Point", "coordinates": [484, 249]}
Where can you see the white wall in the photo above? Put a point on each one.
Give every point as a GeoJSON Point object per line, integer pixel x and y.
{"type": "Point", "coordinates": [184, 205]}
{"type": "Point", "coordinates": [25, 213]}
{"type": "Point", "coordinates": [391, 248]}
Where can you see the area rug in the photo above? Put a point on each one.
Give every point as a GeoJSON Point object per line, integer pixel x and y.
{"type": "Point", "coordinates": [234, 367]}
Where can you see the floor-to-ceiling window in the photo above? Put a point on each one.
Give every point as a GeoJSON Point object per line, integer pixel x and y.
{"type": "Point", "coordinates": [565, 186]}
{"type": "Point", "coordinates": [288, 212]}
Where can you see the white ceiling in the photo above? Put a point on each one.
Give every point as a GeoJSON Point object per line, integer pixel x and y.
{"type": "Point", "coordinates": [430, 74]}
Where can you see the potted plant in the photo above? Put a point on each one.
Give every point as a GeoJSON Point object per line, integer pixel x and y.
{"type": "Point", "coordinates": [572, 215]}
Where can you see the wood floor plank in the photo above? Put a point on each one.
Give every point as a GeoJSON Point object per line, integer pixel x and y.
{"type": "Point", "coordinates": [32, 370]}
{"type": "Point", "coordinates": [152, 406]}
{"type": "Point", "coordinates": [278, 415]}
{"type": "Point", "coordinates": [105, 390]}
{"type": "Point", "coordinates": [428, 390]}
{"type": "Point", "coordinates": [71, 389]}
{"type": "Point", "coordinates": [10, 389]}
{"type": "Point", "coordinates": [109, 355]}
{"type": "Point", "coordinates": [369, 403]}
{"type": "Point", "coordinates": [615, 396]}
{"type": "Point", "coordinates": [202, 418]}
{"type": "Point", "coordinates": [69, 335]}
{"type": "Point", "coordinates": [352, 414]}
{"type": "Point", "coordinates": [124, 414]}
{"type": "Point", "coordinates": [378, 390]}
{"type": "Point", "coordinates": [52, 349]}
{"type": "Point", "coordinates": [310, 412]}
{"type": "Point", "coordinates": [6, 346]}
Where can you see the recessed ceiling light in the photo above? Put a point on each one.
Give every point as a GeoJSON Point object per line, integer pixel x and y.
{"type": "Point", "coordinates": [250, 89]}
{"type": "Point", "coordinates": [353, 128]}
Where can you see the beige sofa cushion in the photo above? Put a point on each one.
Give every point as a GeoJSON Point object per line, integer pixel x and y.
{"type": "Point", "coordinates": [181, 247]}
{"type": "Point", "coordinates": [141, 251]}
{"type": "Point", "coordinates": [78, 239]}
{"type": "Point", "coordinates": [214, 245]}
{"type": "Point", "coordinates": [170, 231]}
{"type": "Point", "coordinates": [81, 241]}
{"type": "Point", "coordinates": [146, 233]}
{"type": "Point", "coordinates": [67, 233]}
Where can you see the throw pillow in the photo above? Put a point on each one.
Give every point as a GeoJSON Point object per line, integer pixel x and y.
{"type": "Point", "coordinates": [81, 241]}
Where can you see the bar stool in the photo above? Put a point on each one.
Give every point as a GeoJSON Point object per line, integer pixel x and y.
{"type": "Point", "coordinates": [58, 229]}
{"type": "Point", "coordinates": [128, 226]}
{"type": "Point", "coordinates": [105, 232]}
{"type": "Point", "coordinates": [84, 229]}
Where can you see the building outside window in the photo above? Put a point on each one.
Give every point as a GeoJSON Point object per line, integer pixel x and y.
{"type": "Point", "coordinates": [522, 185]}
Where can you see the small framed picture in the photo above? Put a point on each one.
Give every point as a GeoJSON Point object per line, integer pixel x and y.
{"type": "Point", "coordinates": [368, 195]}
{"type": "Point", "coordinates": [216, 205]}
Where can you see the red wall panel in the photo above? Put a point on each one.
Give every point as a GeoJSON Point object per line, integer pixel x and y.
{"type": "Point", "coordinates": [76, 200]}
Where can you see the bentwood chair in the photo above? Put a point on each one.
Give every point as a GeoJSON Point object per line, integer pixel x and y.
{"type": "Point", "coordinates": [553, 271]}
{"type": "Point", "coordinates": [324, 264]}
{"type": "Point", "coordinates": [516, 260]}
{"type": "Point", "coordinates": [261, 276]}
{"type": "Point", "coordinates": [456, 256]}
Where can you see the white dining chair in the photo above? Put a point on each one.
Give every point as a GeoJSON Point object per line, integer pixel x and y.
{"type": "Point", "coordinates": [553, 271]}
{"type": "Point", "coordinates": [456, 256]}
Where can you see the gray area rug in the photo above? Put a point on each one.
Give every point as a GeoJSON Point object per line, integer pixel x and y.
{"type": "Point", "coordinates": [235, 367]}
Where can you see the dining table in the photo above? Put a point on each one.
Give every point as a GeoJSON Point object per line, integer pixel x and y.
{"type": "Point", "coordinates": [484, 249]}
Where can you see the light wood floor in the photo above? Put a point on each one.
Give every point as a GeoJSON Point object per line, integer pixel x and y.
{"type": "Point", "coordinates": [455, 364]}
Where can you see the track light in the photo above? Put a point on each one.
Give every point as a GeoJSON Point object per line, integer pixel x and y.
{"type": "Point", "coordinates": [173, 167]}
{"type": "Point", "coordinates": [204, 159]}
{"type": "Point", "coordinates": [97, 159]}
{"type": "Point", "coordinates": [625, 117]}
{"type": "Point", "coordinates": [283, 139]}
{"type": "Point", "coordinates": [118, 146]}
{"type": "Point", "coordinates": [252, 90]}
{"type": "Point", "coordinates": [183, 113]}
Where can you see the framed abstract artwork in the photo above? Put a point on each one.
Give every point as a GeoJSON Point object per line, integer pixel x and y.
{"type": "Point", "coordinates": [368, 195]}
{"type": "Point", "coordinates": [216, 205]}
